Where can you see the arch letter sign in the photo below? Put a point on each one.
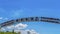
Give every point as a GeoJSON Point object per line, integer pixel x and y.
{"type": "Point", "coordinates": [44, 19]}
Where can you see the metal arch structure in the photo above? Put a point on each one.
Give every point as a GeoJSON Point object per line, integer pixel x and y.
{"type": "Point", "coordinates": [28, 19]}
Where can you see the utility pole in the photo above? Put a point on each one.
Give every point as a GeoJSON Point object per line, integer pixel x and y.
{"type": "Point", "coordinates": [0, 29]}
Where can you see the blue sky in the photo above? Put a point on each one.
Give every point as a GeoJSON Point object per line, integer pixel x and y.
{"type": "Point", "coordinates": [13, 9]}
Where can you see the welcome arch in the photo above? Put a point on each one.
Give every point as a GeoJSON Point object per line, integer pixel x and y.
{"type": "Point", "coordinates": [28, 19]}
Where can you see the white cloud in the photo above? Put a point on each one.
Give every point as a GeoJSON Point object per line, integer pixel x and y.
{"type": "Point", "coordinates": [21, 26]}
{"type": "Point", "coordinates": [3, 29]}
{"type": "Point", "coordinates": [18, 26]}
{"type": "Point", "coordinates": [32, 31]}
{"type": "Point", "coordinates": [1, 18]}
{"type": "Point", "coordinates": [11, 27]}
